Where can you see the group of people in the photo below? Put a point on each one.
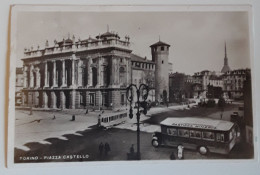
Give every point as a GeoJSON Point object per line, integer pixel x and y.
{"type": "Point", "coordinates": [103, 149]}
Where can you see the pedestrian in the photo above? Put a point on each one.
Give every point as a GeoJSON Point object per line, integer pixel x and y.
{"type": "Point", "coordinates": [53, 117]}
{"type": "Point", "coordinates": [99, 120]}
{"type": "Point", "coordinates": [100, 148]}
{"type": "Point", "coordinates": [73, 118]}
{"type": "Point", "coordinates": [132, 150]}
{"type": "Point", "coordinates": [172, 156]}
{"type": "Point", "coordinates": [107, 148]}
{"type": "Point", "coordinates": [86, 111]}
{"type": "Point", "coordinates": [30, 111]}
{"type": "Point", "coordinates": [180, 152]}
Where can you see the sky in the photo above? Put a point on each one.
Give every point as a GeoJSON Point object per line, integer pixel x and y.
{"type": "Point", "coordinates": [197, 39]}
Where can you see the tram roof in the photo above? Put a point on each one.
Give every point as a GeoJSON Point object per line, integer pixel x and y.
{"type": "Point", "coordinates": [199, 123]}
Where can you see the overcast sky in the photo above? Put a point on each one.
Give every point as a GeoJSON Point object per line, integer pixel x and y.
{"type": "Point", "coordinates": [197, 39]}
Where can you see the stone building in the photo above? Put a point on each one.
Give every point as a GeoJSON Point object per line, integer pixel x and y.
{"type": "Point", "coordinates": [18, 86]}
{"type": "Point", "coordinates": [86, 73]}
{"type": "Point", "coordinates": [233, 83]}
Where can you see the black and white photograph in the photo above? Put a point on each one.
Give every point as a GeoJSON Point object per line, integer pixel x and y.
{"type": "Point", "coordinates": [131, 85]}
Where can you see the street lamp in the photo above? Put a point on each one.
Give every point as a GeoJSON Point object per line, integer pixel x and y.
{"type": "Point", "coordinates": [141, 91]}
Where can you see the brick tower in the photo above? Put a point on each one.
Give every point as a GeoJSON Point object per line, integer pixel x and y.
{"type": "Point", "coordinates": [160, 54]}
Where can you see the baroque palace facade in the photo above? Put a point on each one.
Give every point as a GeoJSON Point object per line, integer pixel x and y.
{"type": "Point", "coordinates": [93, 72]}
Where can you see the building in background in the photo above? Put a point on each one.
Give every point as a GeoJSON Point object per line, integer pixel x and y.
{"type": "Point", "coordinates": [233, 83]}
{"type": "Point", "coordinates": [226, 67]}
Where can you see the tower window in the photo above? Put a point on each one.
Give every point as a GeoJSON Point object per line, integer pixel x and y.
{"type": "Point", "coordinates": [162, 48]}
{"type": "Point", "coordinates": [162, 61]}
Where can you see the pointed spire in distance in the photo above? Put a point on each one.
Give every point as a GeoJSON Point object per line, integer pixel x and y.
{"type": "Point", "coordinates": [107, 28]}
{"type": "Point", "coordinates": [225, 50]}
{"type": "Point", "coordinates": [159, 38]}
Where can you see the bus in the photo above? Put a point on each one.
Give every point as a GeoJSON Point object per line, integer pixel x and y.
{"type": "Point", "coordinates": [202, 134]}
{"type": "Point", "coordinates": [112, 119]}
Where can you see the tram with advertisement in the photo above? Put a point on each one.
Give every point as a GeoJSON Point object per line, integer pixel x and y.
{"type": "Point", "coordinates": [202, 134]}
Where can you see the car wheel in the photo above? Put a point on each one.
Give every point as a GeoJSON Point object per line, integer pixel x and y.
{"type": "Point", "coordinates": [203, 150]}
{"type": "Point", "coordinates": [155, 143]}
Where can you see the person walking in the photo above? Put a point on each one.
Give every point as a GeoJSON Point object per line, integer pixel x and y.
{"type": "Point", "coordinates": [180, 152]}
{"type": "Point", "coordinates": [132, 150]}
{"type": "Point", "coordinates": [172, 156]}
{"type": "Point", "coordinates": [107, 148]}
{"type": "Point", "coordinates": [100, 148]}
{"type": "Point", "coordinates": [86, 111]}
{"type": "Point", "coordinates": [73, 118]}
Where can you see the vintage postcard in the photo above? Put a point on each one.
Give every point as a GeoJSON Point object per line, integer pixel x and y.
{"type": "Point", "coordinates": [121, 83]}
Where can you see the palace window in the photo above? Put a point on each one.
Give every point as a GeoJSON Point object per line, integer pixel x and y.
{"type": "Point", "coordinates": [94, 76]}
{"type": "Point", "coordinates": [122, 76]}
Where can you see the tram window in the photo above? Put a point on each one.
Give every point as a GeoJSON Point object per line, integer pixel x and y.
{"type": "Point", "coordinates": [195, 134]}
{"type": "Point", "coordinates": [183, 133]}
{"type": "Point", "coordinates": [208, 135]}
{"type": "Point", "coordinates": [230, 135]}
{"type": "Point", "coordinates": [172, 131]}
{"type": "Point", "coordinates": [220, 137]}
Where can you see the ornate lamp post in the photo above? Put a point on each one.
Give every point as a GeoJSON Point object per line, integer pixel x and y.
{"type": "Point", "coordinates": [141, 91]}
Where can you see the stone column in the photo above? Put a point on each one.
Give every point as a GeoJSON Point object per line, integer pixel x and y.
{"type": "Point", "coordinates": [62, 100]}
{"type": "Point", "coordinates": [36, 99]}
{"type": "Point", "coordinates": [31, 77]}
{"type": "Point", "coordinates": [73, 84]}
{"type": "Point", "coordinates": [53, 100]}
{"type": "Point", "coordinates": [80, 73]}
{"type": "Point", "coordinates": [90, 77]}
{"type": "Point", "coordinates": [45, 99]}
{"type": "Point", "coordinates": [114, 73]}
{"type": "Point", "coordinates": [46, 82]}
{"type": "Point", "coordinates": [72, 99]}
{"type": "Point", "coordinates": [38, 78]}
{"type": "Point", "coordinates": [101, 72]}
{"type": "Point", "coordinates": [54, 84]}
{"type": "Point", "coordinates": [25, 80]}
{"type": "Point", "coordinates": [127, 71]}
{"type": "Point", "coordinates": [63, 74]}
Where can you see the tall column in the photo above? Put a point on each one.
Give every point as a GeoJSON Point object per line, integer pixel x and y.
{"type": "Point", "coordinates": [54, 84]}
{"type": "Point", "coordinates": [128, 71]}
{"type": "Point", "coordinates": [25, 80]}
{"type": "Point", "coordinates": [101, 72]}
{"type": "Point", "coordinates": [53, 100]}
{"type": "Point", "coordinates": [114, 73]}
{"type": "Point", "coordinates": [63, 74]}
{"type": "Point", "coordinates": [31, 76]}
{"type": "Point", "coordinates": [62, 100]}
{"type": "Point", "coordinates": [80, 73]}
{"type": "Point", "coordinates": [90, 77]}
{"type": "Point", "coordinates": [72, 99]}
{"type": "Point", "coordinates": [46, 82]}
{"type": "Point", "coordinates": [45, 99]}
{"type": "Point", "coordinates": [73, 84]}
{"type": "Point", "coordinates": [38, 78]}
